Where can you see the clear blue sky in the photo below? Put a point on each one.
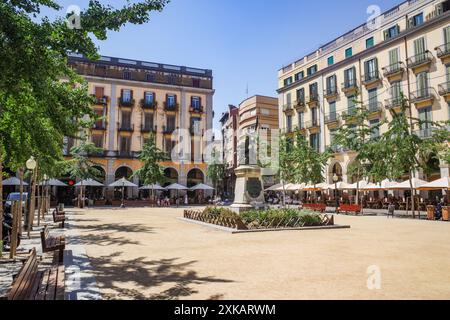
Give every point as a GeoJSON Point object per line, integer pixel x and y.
{"type": "Point", "coordinates": [242, 41]}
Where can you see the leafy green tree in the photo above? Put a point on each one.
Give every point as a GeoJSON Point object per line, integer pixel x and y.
{"type": "Point", "coordinates": [358, 135]}
{"type": "Point", "coordinates": [37, 109]}
{"type": "Point", "coordinates": [405, 150]}
{"type": "Point", "coordinates": [80, 166]}
{"type": "Point", "coordinates": [216, 169]}
{"type": "Point", "coordinates": [287, 164]}
{"type": "Point", "coordinates": [151, 156]}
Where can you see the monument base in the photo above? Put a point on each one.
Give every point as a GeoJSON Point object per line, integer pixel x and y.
{"type": "Point", "coordinates": [249, 192]}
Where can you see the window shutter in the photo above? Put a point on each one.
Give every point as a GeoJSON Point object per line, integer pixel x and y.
{"type": "Point", "coordinates": [447, 35]}
{"type": "Point", "coordinates": [200, 101]}
{"type": "Point", "coordinates": [398, 30]}
{"type": "Point", "coordinates": [121, 93]}
{"type": "Point", "coordinates": [375, 64]}
{"type": "Point", "coordinates": [366, 68]}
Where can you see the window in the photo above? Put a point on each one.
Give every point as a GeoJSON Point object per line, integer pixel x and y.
{"type": "Point", "coordinates": [312, 70]}
{"type": "Point", "coordinates": [287, 81]}
{"type": "Point", "coordinates": [447, 37]}
{"type": "Point", "coordinates": [330, 61]}
{"type": "Point", "coordinates": [415, 21]}
{"type": "Point", "coordinates": [348, 52]}
{"type": "Point", "coordinates": [375, 132]}
{"type": "Point", "coordinates": [170, 122]}
{"type": "Point", "coordinates": [299, 76]}
{"type": "Point", "coordinates": [196, 103]}
{"type": "Point", "coordinates": [97, 140]}
{"type": "Point", "coordinates": [396, 91]}
{"type": "Point", "coordinates": [99, 92]}
{"type": "Point", "coordinates": [331, 84]}
{"type": "Point", "coordinates": [392, 32]}
{"type": "Point", "coordinates": [289, 123]}
{"type": "Point", "coordinates": [332, 108]}
{"type": "Point", "coordinates": [350, 77]}
{"type": "Point", "coordinates": [196, 128]}
{"type": "Point", "coordinates": [289, 99]}
{"type": "Point", "coordinates": [422, 84]}
{"type": "Point", "coordinates": [314, 116]}
{"type": "Point", "coordinates": [168, 145]}
{"type": "Point", "coordinates": [301, 95]}
{"type": "Point", "coordinates": [314, 141]}
{"type": "Point", "coordinates": [301, 120]}
{"type": "Point", "coordinates": [150, 77]}
{"type": "Point", "coordinates": [419, 46]}
{"type": "Point", "coordinates": [127, 75]}
{"type": "Point", "coordinates": [370, 43]}
{"type": "Point", "coordinates": [148, 121]}
{"type": "Point", "coordinates": [149, 98]}
{"type": "Point", "coordinates": [125, 144]}
{"type": "Point", "coordinates": [351, 105]}
{"type": "Point", "coordinates": [171, 100]}
{"type": "Point", "coordinates": [126, 120]}
{"type": "Point", "coordinates": [126, 95]}
{"type": "Point", "coordinates": [425, 116]}
{"type": "Point", "coordinates": [394, 59]}
{"type": "Point", "coordinates": [371, 69]}
{"type": "Point", "coordinates": [313, 91]}
{"type": "Point", "coordinates": [373, 99]}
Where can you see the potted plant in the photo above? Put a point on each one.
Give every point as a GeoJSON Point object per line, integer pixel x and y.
{"type": "Point", "coordinates": [445, 213]}
{"type": "Point", "coordinates": [430, 213]}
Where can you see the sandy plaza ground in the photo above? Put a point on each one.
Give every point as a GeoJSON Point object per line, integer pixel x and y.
{"type": "Point", "coordinates": [150, 254]}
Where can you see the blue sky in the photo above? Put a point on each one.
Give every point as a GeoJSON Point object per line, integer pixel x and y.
{"type": "Point", "coordinates": [244, 42]}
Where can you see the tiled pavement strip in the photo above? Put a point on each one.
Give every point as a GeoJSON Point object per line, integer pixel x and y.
{"type": "Point", "coordinates": [80, 282]}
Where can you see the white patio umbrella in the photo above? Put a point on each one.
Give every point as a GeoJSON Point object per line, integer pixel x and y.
{"type": "Point", "coordinates": [89, 183]}
{"type": "Point", "coordinates": [53, 183]}
{"type": "Point", "coordinates": [177, 187]}
{"type": "Point", "coordinates": [406, 185]}
{"type": "Point", "coordinates": [357, 185]}
{"type": "Point", "coordinates": [372, 187]}
{"type": "Point", "coordinates": [339, 186]}
{"type": "Point", "coordinates": [155, 187]}
{"type": "Point", "coordinates": [441, 184]}
{"type": "Point", "coordinates": [274, 187]}
{"type": "Point", "coordinates": [122, 183]}
{"type": "Point", "coordinates": [13, 181]}
{"type": "Point", "coordinates": [201, 186]}
{"type": "Point", "coordinates": [317, 187]}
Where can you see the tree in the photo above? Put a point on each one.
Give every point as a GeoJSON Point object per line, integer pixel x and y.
{"type": "Point", "coordinates": [216, 169]}
{"type": "Point", "coordinates": [287, 164]}
{"type": "Point", "coordinates": [37, 109]}
{"type": "Point", "coordinates": [151, 172]}
{"type": "Point", "coordinates": [358, 135]}
{"type": "Point", "coordinates": [80, 166]}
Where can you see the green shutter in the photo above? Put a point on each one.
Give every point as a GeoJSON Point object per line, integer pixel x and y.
{"type": "Point", "coordinates": [419, 46]}
{"type": "Point", "coordinates": [393, 56]}
{"type": "Point", "coordinates": [447, 35]}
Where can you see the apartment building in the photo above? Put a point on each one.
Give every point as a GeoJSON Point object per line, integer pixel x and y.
{"type": "Point", "coordinates": [406, 50]}
{"type": "Point", "coordinates": [230, 125]}
{"type": "Point", "coordinates": [137, 98]}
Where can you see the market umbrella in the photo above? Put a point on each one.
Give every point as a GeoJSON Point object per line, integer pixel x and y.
{"type": "Point", "coordinates": [89, 183]}
{"type": "Point", "coordinates": [372, 187]}
{"type": "Point", "coordinates": [275, 187]}
{"type": "Point", "coordinates": [317, 187]}
{"type": "Point", "coordinates": [357, 185]}
{"type": "Point", "coordinates": [122, 183]}
{"type": "Point", "coordinates": [53, 183]}
{"type": "Point", "coordinates": [201, 186]}
{"type": "Point", "coordinates": [339, 186]}
{"type": "Point", "coordinates": [176, 187]}
{"type": "Point", "coordinates": [406, 185]}
{"type": "Point", "coordinates": [155, 187]}
{"type": "Point", "coordinates": [441, 184]}
{"type": "Point", "coordinates": [13, 181]}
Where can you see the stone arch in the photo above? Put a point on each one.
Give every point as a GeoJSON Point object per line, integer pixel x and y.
{"type": "Point", "coordinates": [102, 177]}
{"type": "Point", "coordinates": [171, 174]}
{"type": "Point", "coordinates": [332, 169]}
{"type": "Point", "coordinates": [194, 177]}
{"type": "Point", "coordinates": [123, 172]}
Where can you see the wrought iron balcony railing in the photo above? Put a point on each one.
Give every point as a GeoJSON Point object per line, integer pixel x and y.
{"type": "Point", "coordinates": [331, 91]}
{"type": "Point", "coordinates": [126, 127]}
{"type": "Point", "coordinates": [126, 102]}
{"type": "Point", "coordinates": [375, 107]}
{"type": "Point", "coordinates": [444, 89]}
{"type": "Point", "coordinates": [145, 104]}
{"type": "Point", "coordinates": [312, 124]}
{"type": "Point", "coordinates": [171, 106]}
{"type": "Point", "coordinates": [288, 108]}
{"type": "Point", "coordinates": [103, 101]}
{"type": "Point", "coordinates": [349, 85]}
{"type": "Point", "coordinates": [443, 51]}
{"type": "Point", "coordinates": [371, 77]}
{"type": "Point", "coordinates": [394, 69]}
{"type": "Point", "coordinates": [148, 129]}
{"type": "Point", "coordinates": [420, 59]}
{"type": "Point", "coordinates": [423, 95]}
{"type": "Point", "coordinates": [332, 117]}
{"type": "Point", "coordinates": [195, 109]}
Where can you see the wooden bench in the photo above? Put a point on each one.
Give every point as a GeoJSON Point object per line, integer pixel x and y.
{"type": "Point", "coordinates": [349, 208]}
{"type": "Point", "coordinates": [59, 218]}
{"type": "Point", "coordinates": [318, 207]}
{"type": "Point", "coordinates": [59, 213]}
{"type": "Point", "coordinates": [32, 284]}
{"type": "Point", "coordinates": [52, 244]}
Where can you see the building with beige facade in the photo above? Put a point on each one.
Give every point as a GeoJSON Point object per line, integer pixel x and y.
{"type": "Point", "coordinates": [137, 98]}
{"type": "Point", "coordinates": [406, 49]}
{"type": "Point", "coordinates": [256, 116]}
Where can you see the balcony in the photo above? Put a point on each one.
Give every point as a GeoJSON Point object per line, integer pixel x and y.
{"type": "Point", "coordinates": [99, 126]}
{"type": "Point", "coordinates": [171, 107]}
{"type": "Point", "coordinates": [331, 92]}
{"type": "Point", "coordinates": [195, 132]}
{"type": "Point", "coordinates": [423, 96]}
{"type": "Point", "coordinates": [102, 101]}
{"type": "Point", "coordinates": [420, 61]}
{"type": "Point", "coordinates": [196, 109]}
{"type": "Point", "coordinates": [393, 103]}
{"type": "Point", "coordinates": [300, 105]}
{"type": "Point", "coordinates": [394, 70]}
{"type": "Point", "coordinates": [375, 108]}
{"type": "Point", "coordinates": [126, 154]}
{"type": "Point", "coordinates": [126, 127]}
{"type": "Point", "coordinates": [313, 99]}
{"type": "Point", "coordinates": [332, 119]}
{"type": "Point", "coordinates": [312, 124]}
{"type": "Point", "coordinates": [126, 103]}
{"type": "Point", "coordinates": [349, 114]}
{"type": "Point", "coordinates": [168, 129]}
{"type": "Point", "coordinates": [349, 87]}
{"type": "Point", "coordinates": [424, 133]}
{"type": "Point", "coordinates": [288, 108]}
{"type": "Point", "coordinates": [443, 52]}
{"type": "Point", "coordinates": [444, 90]}
{"type": "Point", "coordinates": [371, 78]}
{"type": "Point", "coordinates": [148, 129]}
{"type": "Point", "coordinates": [149, 105]}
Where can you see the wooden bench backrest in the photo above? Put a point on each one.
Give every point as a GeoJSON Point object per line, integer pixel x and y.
{"type": "Point", "coordinates": [22, 284]}
{"type": "Point", "coordinates": [44, 237]}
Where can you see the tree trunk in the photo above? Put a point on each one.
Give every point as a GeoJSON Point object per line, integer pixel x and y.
{"type": "Point", "coordinates": [413, 209]}
{"type": "Point", "coordinates": [39, 197]}
{"type": "Point", "coordinates": [21, 197]}
{"type": "Point", "coordinates": [32, 202]}
{"type": "Point", "coordinates": [152, 198]}
{"type": "Point", "coordinates": [1, 205]}
{"type": "Point", "coordinates": [284, 195]}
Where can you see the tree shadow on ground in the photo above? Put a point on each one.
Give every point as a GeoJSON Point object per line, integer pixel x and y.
{"type": "Point", "coordinates": [101, 240]}
{"type": "Point", "coordinates": [115, 274]}
{"type": "Point", "coordinates": [116, 227]}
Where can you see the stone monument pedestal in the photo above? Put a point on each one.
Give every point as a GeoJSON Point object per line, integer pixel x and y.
{"type": "Point", "coordinates": [249, 191]}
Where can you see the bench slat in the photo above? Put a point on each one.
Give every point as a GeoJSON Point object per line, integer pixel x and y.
{"type": "Point", "coordinates": [21, 282]}
{"type": "Point", "coordinates": [60, 287]}
{"type": "Point", "coordinates": [51, 286]}
{"type": "Point", "coordinates": [40, 295]}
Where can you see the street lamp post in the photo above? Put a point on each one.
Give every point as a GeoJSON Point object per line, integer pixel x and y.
{"type": "Point", "coordinates": [31, 165]}
{"type": "Point", "coordinates": [335, 180]}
